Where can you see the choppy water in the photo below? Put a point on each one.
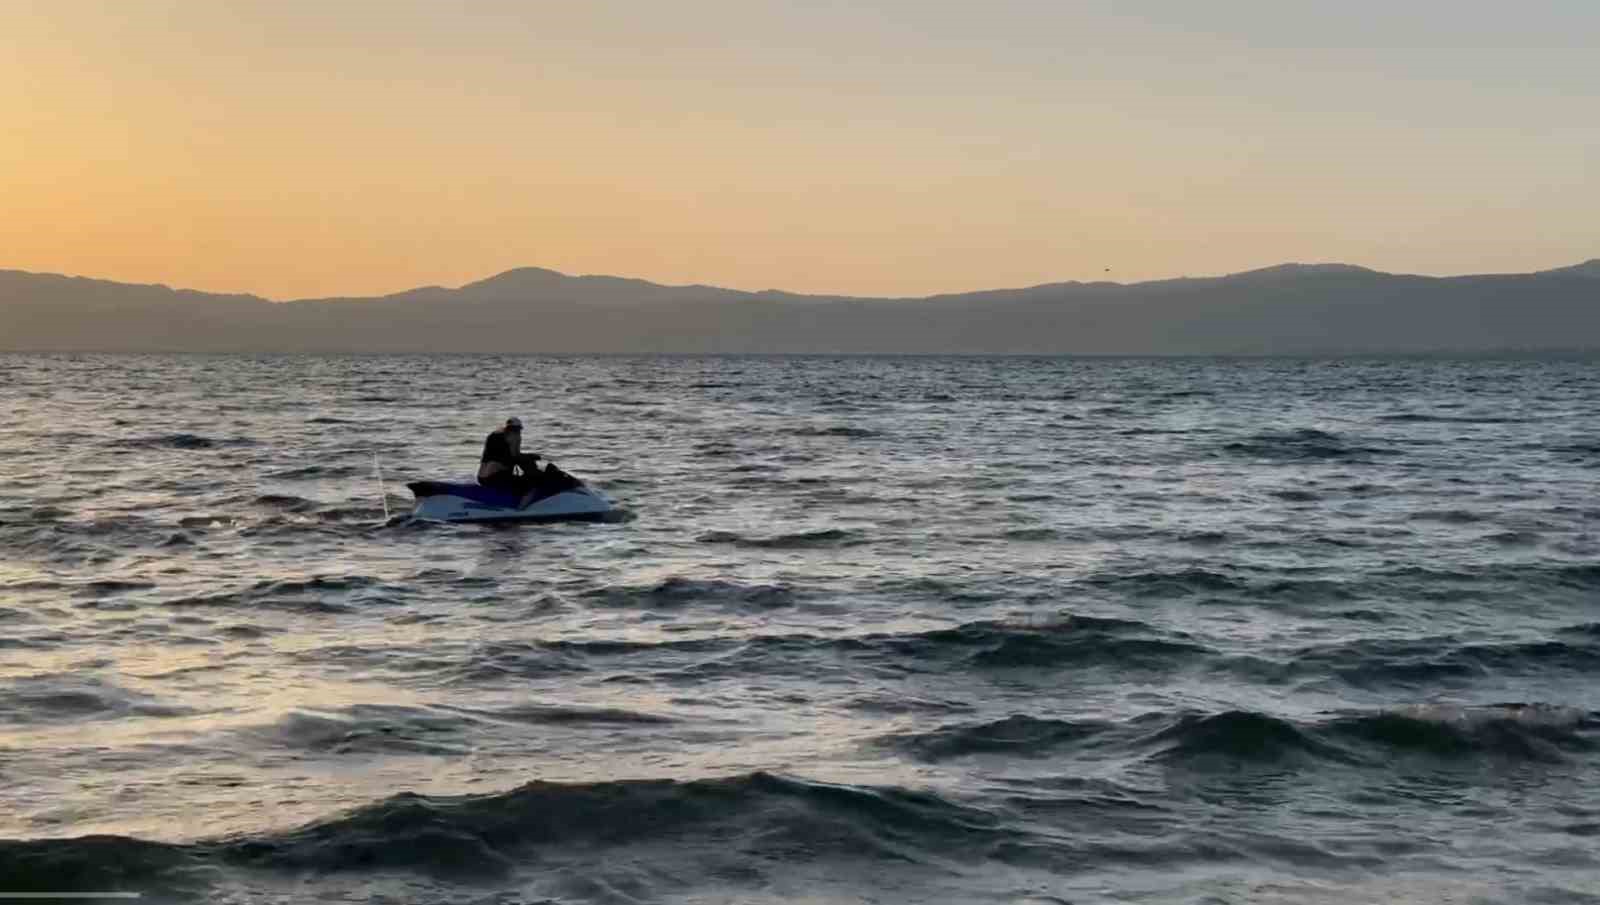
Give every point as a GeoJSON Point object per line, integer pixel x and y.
{"type": "Point", "coordinates": [940, 630]}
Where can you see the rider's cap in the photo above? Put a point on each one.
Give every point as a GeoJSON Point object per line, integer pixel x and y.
{"type": "Point", "coordinates": [515, 422]}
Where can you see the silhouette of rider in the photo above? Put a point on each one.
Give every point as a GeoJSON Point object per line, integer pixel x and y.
{"type": "Point", "coordinates": [504, 465]}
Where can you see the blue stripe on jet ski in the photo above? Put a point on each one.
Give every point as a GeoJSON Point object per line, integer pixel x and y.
{"type": "Point", "coordinates": [488, 496]}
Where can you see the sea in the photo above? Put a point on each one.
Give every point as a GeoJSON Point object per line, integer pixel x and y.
{"type": "Point", "coordinates": [935, 630]}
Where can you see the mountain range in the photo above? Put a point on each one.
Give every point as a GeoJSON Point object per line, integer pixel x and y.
{"type": "Point", "coordinates": [1291, 309]}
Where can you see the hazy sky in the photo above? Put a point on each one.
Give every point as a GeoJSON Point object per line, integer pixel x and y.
{"type": "Point", "coordinates": [867, 146]}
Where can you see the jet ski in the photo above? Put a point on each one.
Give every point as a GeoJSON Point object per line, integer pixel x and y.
{"type": "Point", "coordinates": [447, 501]}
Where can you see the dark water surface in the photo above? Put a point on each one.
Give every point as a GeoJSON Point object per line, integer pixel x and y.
{"type": "Point", "coordinates": [934, 630]}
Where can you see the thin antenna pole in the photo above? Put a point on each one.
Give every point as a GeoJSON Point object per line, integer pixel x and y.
{"type": "Point", "coordinates": [381, 491]}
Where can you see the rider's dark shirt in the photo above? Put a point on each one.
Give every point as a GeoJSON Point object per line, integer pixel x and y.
{"type": "Point", "coordinates": [496, 448]}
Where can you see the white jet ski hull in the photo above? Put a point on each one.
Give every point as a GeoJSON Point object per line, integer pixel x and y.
{"type": "Point", "coordinates": [447, 502]}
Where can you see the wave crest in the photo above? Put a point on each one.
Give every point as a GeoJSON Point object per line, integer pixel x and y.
{"type": "Point", "coordinates": [1303, 445]}
{"type": "Point", "coordinates": [798, 540]}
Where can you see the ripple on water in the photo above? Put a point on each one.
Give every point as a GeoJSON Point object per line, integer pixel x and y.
{"type": "Point", "coordinates": [55, 698]}
{"type": "Point", "coordinates": [797, 540]}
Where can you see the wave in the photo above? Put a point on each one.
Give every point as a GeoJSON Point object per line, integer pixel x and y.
{"type": "Point", "coordinates": [477, 837]}
{"type": "Point", "coordinates": [497, 661]}
{"type": "Point", "coordinates": [318, 472]}
{"type": "Point", "coordinates": [364, 514]}
{"type": "Point", "coordinates": [306, 595]}
{"type": "Point", "coordinates": [799, 540]}
{"type": "Point", "coordinates": [1297, 496]}
{"type": "Point", "coordinates": [1515, 538]}
{"type": "Point", "coordinates": [101, 863]}
{"type": "Point", "coordinates": [1301, 445]}
{"type": "Point", "coordinates": [1238, 735]}
{"type": "Point", "coordinates": [1405, 584]}
{"type": "Point", "coordinates": [1516, 732]}
{"type": "Point", "coordinates": [247, 632]}
{"type": "Point", "coordinates": [1579, 450]}
{"type": "Point", "coordinates": [1427, 661]}
{"type": "Point", "coordinates": [1166, 584]}
{"type": "Point", "coordinates": [680, 591]}
{"type": "Point", "coordinates": [93, 539]}
{"type": "Point", "coordinates": [1065, 641]}
{"type": "Point", "coordinates": [186, 442]}
{"type": "Point", "coordinates": [67, 698]}
{"type": "Point", "coordinates": [365, 730]}
{"type": "Point", "coordinates": [102, 539]}
{"type": "Point", "coordinates": [854, 433]}
{"type": "Point", "coordinates": [486, 836]}
{"type": "Point", "coordinates": [325, 512]}
{"type": "Point", "coordinates": [1425, 418]}
{"type": "Point", "coordinates": [375, 729]}
{"type": "Point", "coordinates": [567, 715]}
{"type": "Point", "coordinates": [1533, 732]}
{"type": "Point", "coordinates": [105, 586]}
{"type": "Point", "coordinates": [1448, 516]}
{"type": "Point", "coordinates": [1492, 581]}
{"type": "Point", "coordinates": [1576, 576]}
{"type": "Point", "coordinates": [285, 502]}
{"type": "Point", "coordinates": [1017, 734]}
{"type": "Point", "coordinates": [1030, 534]}
{"type": "Point", "coordinates": [1228, 739]}
{"type": "Point", "coordinates": [1071, 642]}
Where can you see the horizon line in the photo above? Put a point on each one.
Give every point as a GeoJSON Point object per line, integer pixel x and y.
{"type": "Point", "coordinates": [1286, 265]}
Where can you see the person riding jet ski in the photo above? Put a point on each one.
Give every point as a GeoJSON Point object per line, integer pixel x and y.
{"type": "Point", "coordinates": [511, 487]}
{"type": "Point", "coordinates": [504, 466]}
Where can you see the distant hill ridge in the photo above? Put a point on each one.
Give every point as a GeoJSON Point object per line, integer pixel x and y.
{"type": "Point", "coordinates": [1289, 309]}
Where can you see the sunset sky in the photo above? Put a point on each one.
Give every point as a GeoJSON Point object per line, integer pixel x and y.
{"type": "Point", "coordinates": [871, 146]}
